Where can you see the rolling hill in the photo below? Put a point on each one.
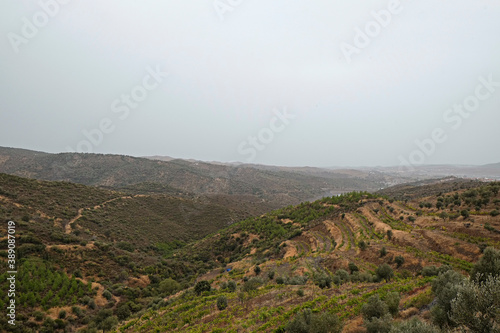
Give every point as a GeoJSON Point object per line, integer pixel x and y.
{"type": "Point", "coordinates": [108, 260]}
{"type": "Point", "coordinates": [277, 186]}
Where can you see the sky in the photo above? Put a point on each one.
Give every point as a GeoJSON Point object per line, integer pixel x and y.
{"type": "Point", "coordinates": [284, 82]}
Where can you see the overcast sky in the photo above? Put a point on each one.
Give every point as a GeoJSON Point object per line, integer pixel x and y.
{"type": "Point", "coordinates": [282, 82]}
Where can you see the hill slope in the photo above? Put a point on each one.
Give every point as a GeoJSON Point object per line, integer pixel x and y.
{"type": "Point", "coordinates": [117, 265]}
{"type": "Point", "coordinates": [278, 186]}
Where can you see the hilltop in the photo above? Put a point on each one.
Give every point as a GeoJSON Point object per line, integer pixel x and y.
{"type": "Point", "coordinates": [110, 258]}
{"type": "Point", "coordinates": [278, 187]}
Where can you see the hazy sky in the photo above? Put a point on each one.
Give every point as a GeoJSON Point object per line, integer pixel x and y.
{"type": "Point", "coordinates": [284, 82]}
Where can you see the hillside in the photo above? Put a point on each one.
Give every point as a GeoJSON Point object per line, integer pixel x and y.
{"type": "Point", "coordinates": [300, 250]}
{"type": "Point", "coordinates": [117, 265]}
{"type": "Point", "coordinates": [277, 186]}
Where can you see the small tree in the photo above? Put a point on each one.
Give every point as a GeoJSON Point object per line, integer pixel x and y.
{"type": "Point", "coordinates": [221, 302]}
{"type": "Point", "coordinates": [270, 275]}
{"type": "Point", "coordinates": [476, 306]}
{"type": "Point", "coordinates": [353, 268]}
{"type": "Point", "coordinates": [376, 315]}
{"type": "Point", "coordinates": [202, 286]}
{"type": "Point", "coordinates": [392, 300]}
{"type": "Point", "coordinates": [399, 260]}
{"type": "Point", "coordinates": [169, 286]}
{"type": "Point", "coordinates": [306, 321]}
{"type": "Point", "coordinates": [257, 270]}
{"type": "Point", "coordinates": [446, 287]}
{"type": "Point", "coordinates": [385, 272]}
{"type": "Point", "coordinates": [389, 234]}
{"type": "Point", "coordinates": [362, 245]}
{"type": "Point", "coordinates": [231, 286]}
{"type": "Point", "coordinates": [465, 213]}
{"type": "Point", "coordinates": [383, 251]}
{"type": "Point", "coordinates": [443, 215]}
{"type": "Point", "coordinates": [489, 264]}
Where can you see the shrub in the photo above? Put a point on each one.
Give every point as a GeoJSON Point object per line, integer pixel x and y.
{"type": "Point", "coordinates": [385, 272]}
{"type": "Point", "coordinates": [488, 264]}
{"type": "Point", "coordinates": [476, 306]}
{"type": "Point", "coordinates": [231, 286]}
{"type": "Point", "coordinates": [280, 280]}
{"type": "Point", "coordinates": [392, 300]}
{"type": "Point", "coordinates": [342, 277]}
{"type": "Point", "coordinates": [399, 260]}
{"type": "Point", "coordinates": [374, 308]}
{"type": "Point", "coordinates": [257, 270]}
{"type": "Point", "coordinates": [270, 275]}
{"type": "Point", "coordinates": [202, 286]}
{"type": "Point", "coordinates": [353, 268]}
{"type": "Point", "coordinates": [413, 325]}
{"type": "Point", "coordinates": [38, 315]}
{"type": "Point", "coordinates": [379, 325]}
{"type": "Point", "coordinates": [446, 287]}
{"type": "Point", "coordinates": [383, 251]}
{"type": "Point", "coordinates": [323, 281]}
{"type": "Point", "coordinates": [494, 213]}
{"type": "Point", "coordinates": [221, 302]}
{"type": "Point", "coordinates": [389, 234]}
{"type": "Point", "coordinates": [169, 286]}
{"type": "Point", "coordinates": [306, 322]}
{"type": "Point", "coordinates": [300, 292]}
{"type": "Point", "coordinates": [362, 245]}
{"type": "Point", "coordinates": [123, 312]}
{"type": "Point", "coordinates": [465, 213]}
{"type": "Point", "coordinates": [62, 314]}
{"type": "Point", "coordinates": [252, 284]}
{"type": "Point", "coordinates": [107, 295]}
{"type": "Point", "coordinates": [430, 271]}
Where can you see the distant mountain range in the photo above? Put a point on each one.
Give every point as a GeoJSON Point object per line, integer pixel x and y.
{"type": "Point", "coordinates": [277, 186]}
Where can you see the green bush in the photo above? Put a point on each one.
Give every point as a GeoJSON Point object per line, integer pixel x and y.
{"type": "Point", "coordinates": [413, 325]}
{"type": "Point", "coordinates": [169, 286]}
{"type": "Point", "coordinates": [270, 275]}
{"type": "Point", "coordinates": [488, 264]}
{"type": "Point", "coordinates": [446, 287]}
{"type": "Point", "coordinates": [252, 284]}
{"type": "Point", "coordinates": [231, 286]}
{"type": "Point", "coordinates": [221, 302]}
{"type": "Point", "coordinates": [353, 268]}
{"type": "Point", "coordinates": [374, 308]}
{"type": "Point", "coordinates": [385, 272]}
{"type": "Point", "coordinates": [62, 314]}
{"type": "Point", "coordinates": [107, 295]}
{"type": "Point", "coordinates": [399, 260]}
{"type": "Point", "coordinates": [383, 252]}
{"type": "Point", "coordinates": [202, 286]}
{"type": "Point", "coordinates": [430, 271]}
{"type": "Point", "coordinates": [379, 325]}
{"type": "Point", "coordinates": [392, 300]}
{"type": "Point", "coordinates": [476, 306]}
{"type": "Point", "coordinates": [308, 322]}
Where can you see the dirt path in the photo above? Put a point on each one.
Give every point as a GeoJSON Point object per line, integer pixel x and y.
{"type": "Point", "coordinates": [68, 228]}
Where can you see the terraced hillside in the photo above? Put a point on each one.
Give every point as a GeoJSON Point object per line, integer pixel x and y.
{"type": "Point", "coordinates": [327, 256]}
{"type": "Point", "coordinates": [108, 262]}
